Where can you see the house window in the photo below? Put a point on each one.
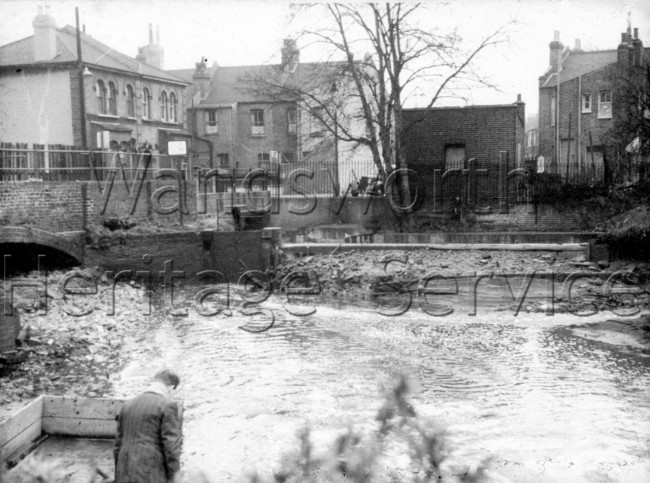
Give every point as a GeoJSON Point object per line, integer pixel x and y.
{"type": "Point", "coordinates": [586, 102]}
{"type": "Point", "coordinates": [211, 126]}
{"type": "Point", "coordinates": [292, 120]}
{"type": "Point", "coordinates": [101, 97]}
{"type": "Point", "coordinates": [264, 160]}
{"type": "Point", "coordinates": [224, 160]}
{"type": "Point", "coordinates": [257, 122]}
{"type": "Point", "coordinates": [172, 107]}
{"type": "Point", "coordinates": [130, 101]}
{"type": "Point", "coordinates": [288, 157]}
{"type": "Point", "coordinates": [146, 103]}
{"type": "Point", "coordinates": [112, 99]}
{"type": "Point", "coordinates": [552, 111]}
{"type": "Point", "coordinates": [164, 104]}
{"type": "Point", "coordinates": [605, 105]}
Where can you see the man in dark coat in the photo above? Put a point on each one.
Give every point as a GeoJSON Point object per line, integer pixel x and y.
{"type": "Point", "coordinates": [148, 441]}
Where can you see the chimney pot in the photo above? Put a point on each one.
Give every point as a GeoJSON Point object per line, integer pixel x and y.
{"type": "Point", "coordinates": [556, 36]}
{"type": "Point", "coordinates": [150, 34]}
{"type": "Point", "coordinates": [157, 35]}
{"type": "Point", "coordinates": [636, 33]}
{"type": "Point", "coordinates": [578, 45]}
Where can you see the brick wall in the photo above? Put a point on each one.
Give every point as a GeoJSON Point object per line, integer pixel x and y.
{"type": "Point", "coordinates": [276, 138]}
{"type": "Point", "coordinates": [51, 206]}
{"type": "Point", "coordinates": [570, 114]}
{"type": "Point", "coordinates": [485, 132]}
{"type": "Point", "coordinates": [63, 205]}
{"type": "Point", "coordinates": [119, 204]}
{"type": "Point", "coordinates": [184, 249]}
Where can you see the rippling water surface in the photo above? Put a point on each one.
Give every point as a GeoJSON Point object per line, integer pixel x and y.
{"type": "Point", "coordinates": [545, 401]}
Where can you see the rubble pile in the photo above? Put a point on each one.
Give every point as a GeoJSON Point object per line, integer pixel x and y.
{"type": "Point", "coordinates": [63, 354]}
{"type": "Point", "coordinates": [358, 273]}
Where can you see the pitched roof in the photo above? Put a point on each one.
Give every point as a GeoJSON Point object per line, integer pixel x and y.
{"type": "Point", "coordinates": [581, 63]}
{"type": "Point", "coordinates": [93, 52]}
{"type": "Point", "coordinates": [236, 84]}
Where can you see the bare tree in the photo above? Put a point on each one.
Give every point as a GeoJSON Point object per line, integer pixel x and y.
{"type": "Point", "coordinates": [631, 129]}
{"type": "Point", "coordinates": [400, 58]}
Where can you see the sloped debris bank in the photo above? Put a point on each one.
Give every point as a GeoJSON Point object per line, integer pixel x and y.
{"type": "Point", "coordinates": [69, 346]}
{"type": "Point", "coordinates": [359, 273]}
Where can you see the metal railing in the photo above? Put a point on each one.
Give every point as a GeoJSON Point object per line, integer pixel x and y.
{"type": "Point", "coordinates": [22, 164]}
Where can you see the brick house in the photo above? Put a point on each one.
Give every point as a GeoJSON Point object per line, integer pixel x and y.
{"type": "Point", "coordinates": [237, 126]}
{"type": "Point", "coordinates": [445, 139]}
{"type": "Point", "coordinates": [50, 97]}
{"type": "Point", "coordinates": [584, 107]}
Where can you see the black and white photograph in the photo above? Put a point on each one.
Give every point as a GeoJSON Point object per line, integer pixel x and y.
{"type": "Point", "coordinates": [284, 241]}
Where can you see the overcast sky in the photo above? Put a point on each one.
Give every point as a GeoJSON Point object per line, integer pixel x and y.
{"type": "Point", "coordinates": [251, 32]}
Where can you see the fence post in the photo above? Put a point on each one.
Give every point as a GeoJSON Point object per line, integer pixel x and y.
{"type": "Point", "coordinates": [503, 181]}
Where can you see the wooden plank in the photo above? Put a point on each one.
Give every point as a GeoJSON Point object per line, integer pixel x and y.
{"type": "Point", "coordinates": [81, 408]}
{"type": "Point", "coordinates": [542, 247]}
{"type": "Point", "coordinates": [83, 428]}
{"type": "Point", "coordinates": [21, 420]}
{"type": "Point", "coordinates": [21, 441]}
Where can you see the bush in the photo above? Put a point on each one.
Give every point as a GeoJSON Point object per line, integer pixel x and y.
{"type": "Point", "coordinates": [630, 243]}
{"type": "Point", "coordinates": [356, 457]}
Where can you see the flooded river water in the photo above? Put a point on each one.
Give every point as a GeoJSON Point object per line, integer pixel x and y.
{"type": "Point", "coordinates": [547, 400]}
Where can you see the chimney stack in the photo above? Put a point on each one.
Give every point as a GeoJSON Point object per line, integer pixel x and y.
{"type": "Point", "coordinates": [556, 47]}
{"type": "Point", "coordinates": [578, 46]}
{"type": "Point", "coordinates": [151, 54]}
{"type": "Point", "coordinates": [637, 45]}
{"type": "Point", "coordinates": [290, 55]}
{"type": "Point", "coordinates": [623, 54]}
{"type": "Point", "coordinates": [44, 36]}
{"type": "Point", "coordinates": [200, 78]}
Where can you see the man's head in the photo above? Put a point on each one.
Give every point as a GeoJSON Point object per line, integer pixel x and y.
{"type": "Point", "coordinates": [168, 378]}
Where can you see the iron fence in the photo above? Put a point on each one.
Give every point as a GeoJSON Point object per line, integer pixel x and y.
{"type": "Point", "coordinates": [24, 164]}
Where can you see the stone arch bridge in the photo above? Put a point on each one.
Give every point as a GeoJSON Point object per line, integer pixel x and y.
{"type": "Point", "coordinates": [68, 244]}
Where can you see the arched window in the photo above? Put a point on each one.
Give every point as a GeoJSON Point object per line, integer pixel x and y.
{"type": "Point", "coordinates": [101, 97]}
{"type": "Point", "coordinates": [172, 107]}
{"type": "Point", "coordinates": [146, 103]}
{"type": "Point", "coordinates": [130, 101]}
{"type": "Point", "coordinates": [164, 101]}
{"type": "Point", "coordinates": [112, 99]}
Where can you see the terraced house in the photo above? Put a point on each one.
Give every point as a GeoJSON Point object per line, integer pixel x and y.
{"type": "Point", "coordinates": [61, 88]}
{"type": "Point", "coordinates": [589, 102]}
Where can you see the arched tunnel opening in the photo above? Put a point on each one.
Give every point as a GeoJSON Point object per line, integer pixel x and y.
{"type": "Point", "coordinates": [22, 258]}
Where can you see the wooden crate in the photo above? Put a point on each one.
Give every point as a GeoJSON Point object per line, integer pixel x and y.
{"type": "Point", "coordinates": [57, 416]}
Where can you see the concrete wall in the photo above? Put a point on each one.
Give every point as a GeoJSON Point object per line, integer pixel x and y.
{"type": "Point", "coordinates": [300, 212]}
{"type": "Point", "coordinates": [36, 107]}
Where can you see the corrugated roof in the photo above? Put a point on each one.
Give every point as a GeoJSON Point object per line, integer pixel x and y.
{"type": "Point", "coordinates": [93, 52]}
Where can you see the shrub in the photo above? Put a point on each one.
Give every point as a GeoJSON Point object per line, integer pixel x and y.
{"type": "Point", "coordinates": [355, 457]}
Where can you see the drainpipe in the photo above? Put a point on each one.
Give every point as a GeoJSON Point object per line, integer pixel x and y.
{"type": "Point", "coordinates": [558, 148]}
{"type": "Point", "coordinates": [82, 93]}
{"type": "Point", "coordinates": [579, 114]}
